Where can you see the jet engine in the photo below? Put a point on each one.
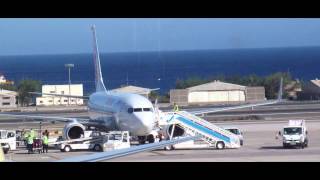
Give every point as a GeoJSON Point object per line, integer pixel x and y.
{"type": "Point", "coordinates": [73, 130]}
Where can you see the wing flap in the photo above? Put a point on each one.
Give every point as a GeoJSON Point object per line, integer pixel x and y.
{"type": "Point", "coordinates": [53, 118]}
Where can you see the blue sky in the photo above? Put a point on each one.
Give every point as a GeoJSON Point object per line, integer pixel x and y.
{"type": "Point", "coordinates": [67, 36]}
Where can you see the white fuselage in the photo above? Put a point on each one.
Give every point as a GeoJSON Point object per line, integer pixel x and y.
{"type": "Point", "coordinates": [122, 111]}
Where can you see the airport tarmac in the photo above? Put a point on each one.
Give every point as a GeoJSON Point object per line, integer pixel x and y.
{"type": "Point", "coordinates": [259, 145]}
{"type": "Point", "coordinates": [259, 140]}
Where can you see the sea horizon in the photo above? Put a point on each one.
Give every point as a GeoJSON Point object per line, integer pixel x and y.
{"type": "Point", "coordinates": [161, 69]}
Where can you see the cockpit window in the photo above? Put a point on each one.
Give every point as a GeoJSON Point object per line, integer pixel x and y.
{"type": "Point", "coordinates": [137, 109]}
{"type": "Point", "coordinates": [130, 110]}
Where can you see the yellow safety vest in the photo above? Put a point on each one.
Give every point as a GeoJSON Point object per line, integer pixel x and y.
{"type": "Point", "coordinates": [176, 108]}
{"type": "Point", "coordinates": [45, 140]}
{"type": "Point", "coordinates": [32, 134]}
{"type": "Point", "coordinates": [30, 140]}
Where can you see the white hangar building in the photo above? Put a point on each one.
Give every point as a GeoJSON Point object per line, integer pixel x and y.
{"type": "Point", "coordinates": [216, 92]}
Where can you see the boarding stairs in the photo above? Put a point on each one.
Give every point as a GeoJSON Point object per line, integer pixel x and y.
{"type": "Point", "coordinates": [208, 132]}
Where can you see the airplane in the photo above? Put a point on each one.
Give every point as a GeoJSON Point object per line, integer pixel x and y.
{"type": "Point", "coordinates": [131, 112]}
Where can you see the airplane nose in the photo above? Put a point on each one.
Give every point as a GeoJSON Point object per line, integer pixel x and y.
{"type": "Point", "coordinates": [147, 122]}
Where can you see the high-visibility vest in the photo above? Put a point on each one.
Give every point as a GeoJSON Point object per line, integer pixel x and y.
{"type": "Point", "coordinates": [45, 140]}
{"type": "Point", "coordinates": [176, 108]}
{"type": "Point", "coordinates": [26, 134]}
{"type": "Point", "coordinates": [30, 140]}
{"type": "Point", "coordinates": [32, 134]}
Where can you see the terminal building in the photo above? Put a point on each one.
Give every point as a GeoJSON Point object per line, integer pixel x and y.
{"type": "Point", "coordinates": [310, 90]}
{"type": "Point", "coordinates": [216, 92]}
{"type": "Point", "coordinates": [47, 100]}
{"type": "Point", "coordinates": [8, 99]}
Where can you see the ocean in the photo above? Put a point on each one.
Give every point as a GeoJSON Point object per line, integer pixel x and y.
{"type": "Point", "coordinates": [162, 69]}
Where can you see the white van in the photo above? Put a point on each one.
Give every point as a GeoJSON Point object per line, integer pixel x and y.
{"type": "Point", "coordinates": [8, 140]}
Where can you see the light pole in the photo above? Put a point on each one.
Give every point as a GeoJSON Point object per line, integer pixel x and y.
{"type": "Point", "coordinates": [69, 66]}
{"type": "Point", "coordinates": [40, 123]}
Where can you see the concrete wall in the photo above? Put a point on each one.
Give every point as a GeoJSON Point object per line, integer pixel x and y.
{"type": "Point", "coordinates": [255, 93]}
{"type": "Point", "coordinates": [179, 96]}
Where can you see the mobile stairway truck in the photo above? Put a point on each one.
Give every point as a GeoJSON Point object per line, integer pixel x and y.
{"type": "Point", "coordinates": [212, 135]}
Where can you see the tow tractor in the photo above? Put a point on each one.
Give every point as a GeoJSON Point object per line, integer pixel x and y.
{"type": "Point", "coordinates": [103, 142]}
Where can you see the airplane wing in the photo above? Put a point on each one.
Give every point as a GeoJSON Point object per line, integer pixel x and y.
{"type": "Point", "coordinates": [141, 92]}
{"type": "Point", "coordinates": [52, 118]}
{"type": "Point", "coordinates": [60, 95]}
{"type": "Point", "coordinates": [127, 151]}
{"type": "Point", "coordinates": [213, 110]}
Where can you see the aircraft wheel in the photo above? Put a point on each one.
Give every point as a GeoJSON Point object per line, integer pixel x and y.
{"type": "Point", "coordinates": [169, 148]}
{"type": "Point", "coordinates": [97, 147]}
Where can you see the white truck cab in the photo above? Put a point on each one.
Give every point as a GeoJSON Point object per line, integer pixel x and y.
{"type": "Point", "coordinates": [8, 140]}
{"type": "Point", "coordinates": [295, 134]}
{"type": "Point", "coordinates": [237, 132]}
{"type": "Point", "coordinates": [116, 140]}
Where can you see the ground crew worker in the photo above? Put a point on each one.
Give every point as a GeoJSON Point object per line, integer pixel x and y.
{"type": "Point", "coordinates": [25, 137]}
{"type": "Point", "coordinates": [46, 132]}
{"type": "Point", "coordinates": [45, 142]}
{"type": "Point", "coordinates": [175, 107]}
{"type": "Point", "coordinates": [32, 133]}
{"type": "Point", "coordinates": [30, 144]}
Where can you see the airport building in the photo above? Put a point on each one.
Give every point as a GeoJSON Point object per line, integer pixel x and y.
{"type": "Point", "coordinates": [8, 99]}
{"type": "Point", "coordinates": [3, 80]}
{"type": "Point", "coordinates": [216, 92]}
{"type": "Point", "coordinates": [310, 90]}
{"type": "Point", "coordinates": [134, 89]}
{"type": "Point", "coordinates": [46, 100]}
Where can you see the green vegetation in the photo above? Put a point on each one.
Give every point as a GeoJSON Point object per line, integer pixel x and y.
{"type": "Point", "coordinates": [8, 87]}
{"type": "Point", "coordinates": [24, 87]}
{"type": "Point", "coordinates": [270, 82]}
